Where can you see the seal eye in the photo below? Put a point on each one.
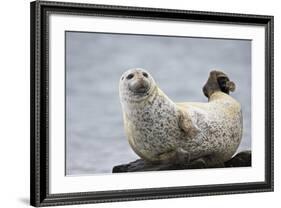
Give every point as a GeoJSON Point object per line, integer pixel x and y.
{"type": "Point", "coordinates": [145, 74]}
{"type": "Point", "coordinates": [130, 76]}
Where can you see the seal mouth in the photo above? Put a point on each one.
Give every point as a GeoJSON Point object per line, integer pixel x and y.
{"type": "Point", "coordinates": [142, 91]}
{"type": "Point", "coordinates": [139, 87]}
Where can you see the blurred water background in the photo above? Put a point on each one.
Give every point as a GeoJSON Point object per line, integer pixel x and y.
{"type": "Point", "coordinates": [95, 139]}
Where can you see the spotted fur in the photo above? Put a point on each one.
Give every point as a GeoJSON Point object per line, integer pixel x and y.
{"type": "Point", "coordinates": [158, 129]}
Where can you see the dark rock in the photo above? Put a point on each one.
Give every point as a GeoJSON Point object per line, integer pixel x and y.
{"type": "Point", "coordinates": [241, 159]}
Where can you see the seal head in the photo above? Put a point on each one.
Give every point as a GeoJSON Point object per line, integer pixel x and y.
{"type": "Point", "coordinates": [135, 85]}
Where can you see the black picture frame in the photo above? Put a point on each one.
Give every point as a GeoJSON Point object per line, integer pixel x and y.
{"type": "Point", "coordinates": [39, 158]}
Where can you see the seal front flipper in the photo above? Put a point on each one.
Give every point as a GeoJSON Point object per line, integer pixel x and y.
{"type": "Point", "coordinates": [176, 156]}
{"type": "Point", "coordinates": [208, 161]}
{"type": "Point", "coordinates": [190, 128]}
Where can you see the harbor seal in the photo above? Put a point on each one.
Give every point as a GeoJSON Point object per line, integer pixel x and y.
{"type": "Point", "coordinates": [160, 130]}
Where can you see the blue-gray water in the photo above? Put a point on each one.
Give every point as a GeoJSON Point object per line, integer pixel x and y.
{"type": "Point", "coordinates": [95, 139]}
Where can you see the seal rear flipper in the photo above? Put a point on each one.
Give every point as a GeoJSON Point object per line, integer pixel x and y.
{"type": "Point", "coordinates": [218, 81]}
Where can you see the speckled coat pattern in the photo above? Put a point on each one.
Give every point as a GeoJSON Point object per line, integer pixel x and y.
{"type": "Point", "coordinates": [153, 124]}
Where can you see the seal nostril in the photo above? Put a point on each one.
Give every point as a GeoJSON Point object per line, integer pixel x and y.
{"type": "Point", "coordinates": [145, 74]}
{"type": "Point", "coordinates": [130, 76]}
